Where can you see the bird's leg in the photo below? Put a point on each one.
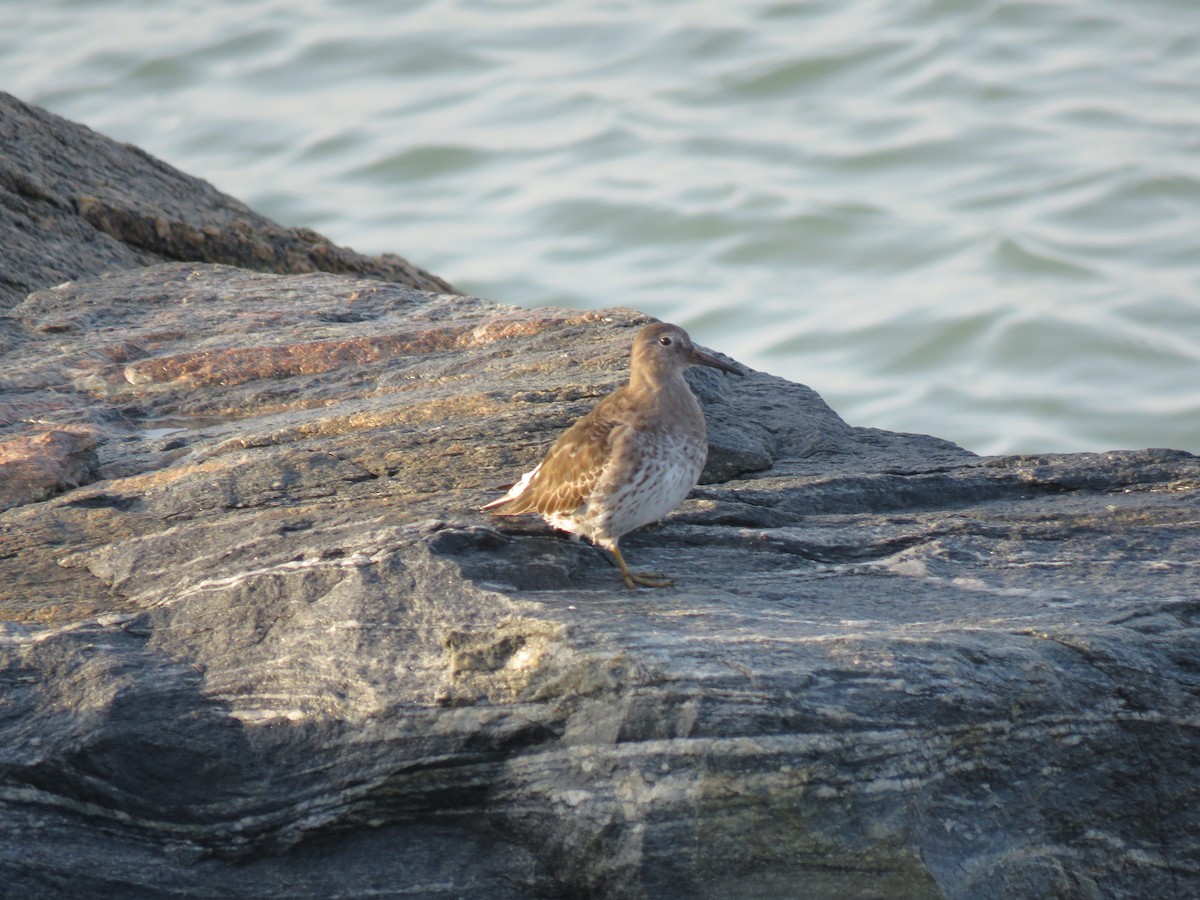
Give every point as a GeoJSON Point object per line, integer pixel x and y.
{"type": "Point", "coordinates": [632, 579]}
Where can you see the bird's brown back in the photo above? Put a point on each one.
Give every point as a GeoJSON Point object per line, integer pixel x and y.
{"type": "Point", "coordinates": [575, 462]}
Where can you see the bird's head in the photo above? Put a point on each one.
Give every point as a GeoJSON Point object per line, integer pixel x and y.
{"type": "Point", "coordinates": [661, 348]}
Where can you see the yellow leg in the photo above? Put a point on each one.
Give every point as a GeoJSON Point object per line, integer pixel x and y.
{"type": "Point", "coordinates": [632, 579]}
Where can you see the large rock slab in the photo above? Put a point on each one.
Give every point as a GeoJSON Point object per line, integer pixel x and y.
{"type": "Point", "coordinates": [74, 203]}
{"type": "Point", "coordinates": [257, 640]}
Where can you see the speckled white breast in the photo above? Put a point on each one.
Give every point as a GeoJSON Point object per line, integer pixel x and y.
{"type": "Point", "coordinates": [666, 471]}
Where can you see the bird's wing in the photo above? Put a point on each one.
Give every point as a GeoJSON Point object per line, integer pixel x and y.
{"type": "Point", "coordinates": [565, 478]}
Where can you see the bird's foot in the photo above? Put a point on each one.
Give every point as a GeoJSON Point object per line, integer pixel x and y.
{"type": "Point", "coordinates": [633, 579]}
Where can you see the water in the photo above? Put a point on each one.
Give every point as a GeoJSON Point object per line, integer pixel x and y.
{"type": "Point", "coordinates": [975, 219]}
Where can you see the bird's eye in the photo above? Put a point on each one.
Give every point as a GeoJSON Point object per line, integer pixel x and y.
{"type": "Point", "coordinates": [665, 341]}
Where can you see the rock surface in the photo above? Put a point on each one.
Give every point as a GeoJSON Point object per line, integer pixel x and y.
{"type": "Point", "coordinates": [74, 203]}
{"type": "Point", "coordinates": [257, 641]}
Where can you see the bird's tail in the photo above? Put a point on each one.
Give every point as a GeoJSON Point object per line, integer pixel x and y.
{"type": "Point", "coordinates": [514, 492]}
{"type": "Point", "coordinates": [496, 503]}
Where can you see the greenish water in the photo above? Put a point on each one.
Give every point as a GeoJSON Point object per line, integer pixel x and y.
{"type": "Point", "coordinates": [975, 219]}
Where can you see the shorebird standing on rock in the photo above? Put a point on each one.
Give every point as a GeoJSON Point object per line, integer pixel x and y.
{"type": "Point", "coordinates": [629, 461]}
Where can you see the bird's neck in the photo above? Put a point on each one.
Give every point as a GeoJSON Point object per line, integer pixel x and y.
{"type": "Point", "coordinates": [657, 380]}
{"type": "Point", "coordinates": [664, 389]}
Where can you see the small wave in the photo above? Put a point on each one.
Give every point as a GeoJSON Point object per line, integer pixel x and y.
{"type": "Point", "coordinates": [1024, 256]}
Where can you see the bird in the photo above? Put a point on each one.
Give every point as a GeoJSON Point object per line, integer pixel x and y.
{"type": "Point", "coordinates": [629, 461]}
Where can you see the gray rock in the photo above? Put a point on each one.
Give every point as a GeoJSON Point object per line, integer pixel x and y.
{"type": "Point", "coordinates": [74, 203]}
{"type": "Point", "coordinates": [268, 647]}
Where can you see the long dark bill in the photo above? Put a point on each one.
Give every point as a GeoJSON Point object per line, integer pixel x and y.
{"type": "Point", "coordinates": [703, 359]}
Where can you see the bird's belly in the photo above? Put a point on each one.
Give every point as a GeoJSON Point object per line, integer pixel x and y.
{"type": "Point", "coordinates": [659, 484]}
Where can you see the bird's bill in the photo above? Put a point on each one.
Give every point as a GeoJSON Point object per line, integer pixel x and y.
{"type": "Point", "coordinates": [703, 359]}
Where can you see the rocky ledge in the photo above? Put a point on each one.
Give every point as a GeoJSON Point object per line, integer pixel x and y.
{"type": "Point", "coordinates": [257, 641]}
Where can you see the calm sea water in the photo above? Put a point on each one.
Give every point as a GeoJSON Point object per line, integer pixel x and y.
{"type": "Point", "coordinates": [974, 218]}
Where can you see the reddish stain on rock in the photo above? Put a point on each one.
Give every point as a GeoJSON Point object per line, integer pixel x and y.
{"type": "Point", "coordinates": [238, 365]}
{"type": "Point", "coordinates": [34, 467]}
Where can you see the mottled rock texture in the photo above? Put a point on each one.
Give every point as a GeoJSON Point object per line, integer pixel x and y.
{"type": "Point", "coordinates": [74, 203]}
{"type": "Point", "coordinates": [257, 641]}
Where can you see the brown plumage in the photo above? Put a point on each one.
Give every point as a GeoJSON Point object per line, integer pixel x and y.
{"type": "Point", "coordinates": [629, 461]}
